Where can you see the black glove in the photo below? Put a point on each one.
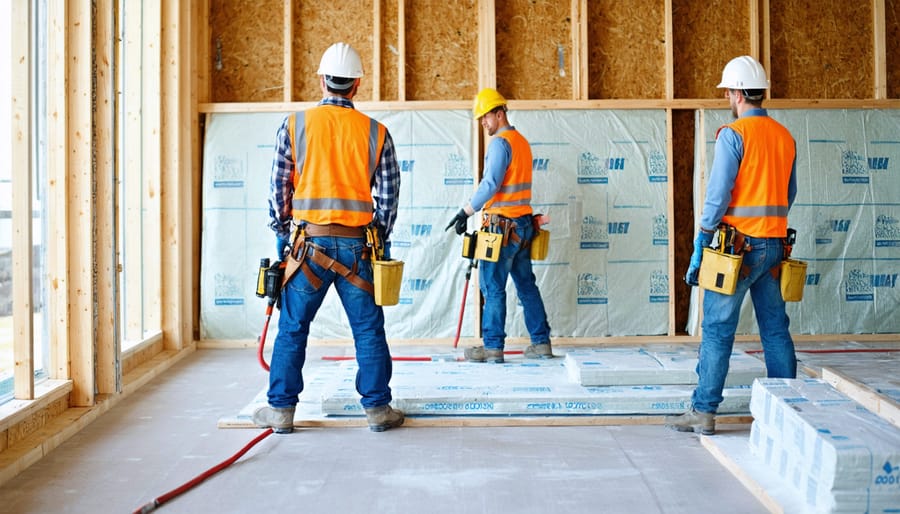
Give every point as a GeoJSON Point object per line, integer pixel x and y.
{"type": "Point", "coordinates": [460, 220]}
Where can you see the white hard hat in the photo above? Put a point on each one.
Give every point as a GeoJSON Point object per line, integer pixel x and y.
{"type": "Point", "coordinates": [744, 73]}
{"type": "Point", "coordinates": [340, 60]}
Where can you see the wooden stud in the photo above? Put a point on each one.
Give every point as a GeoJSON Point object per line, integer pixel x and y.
{"type": "Point", "coordinates": [21, 177]}
{"type": "Point", "coordinates": [106, 293]}
{"type": "Point", "coordinates": [376, 51]}
{"type": "Point", "coordinates": [288, 87]}
{"type": "Point", "coordinates": [487, 44]}
{"type": "Point", "coordinates": [670, 54]}
{"type": "Point", "coordinates": [580, 69]}
{"type": "Point", "coordinates": [58, 190]}
{"type": "Point", "coordinates": [879, 44]}
{"type": "Point", "coordinates": [401, 49]}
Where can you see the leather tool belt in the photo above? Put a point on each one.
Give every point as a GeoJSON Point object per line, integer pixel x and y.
{"type": "Point", "coordinates": [313, 230]}
{"type": "Point", "coordinates": [302, 250]}
{"type": "Point", "coordinates": [506, 226]}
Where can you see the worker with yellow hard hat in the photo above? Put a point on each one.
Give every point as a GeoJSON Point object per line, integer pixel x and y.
{"type": "Point", "coordinates": [504, 194]}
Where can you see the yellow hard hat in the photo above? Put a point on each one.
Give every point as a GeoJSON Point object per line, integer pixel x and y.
{"type": "Point", "coordinates": [486, 101]}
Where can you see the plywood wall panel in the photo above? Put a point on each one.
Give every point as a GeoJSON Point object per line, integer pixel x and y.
{"type": "Point", "coordinates": [821, 49]}
{"type": "Point", "coordinates": [534, 49]}
{"type": "Point", "coordinates": [706, 36]}
{"type": "Point", "coordinates": [892, 33]}
{"type": "Point", "coordinates": [441, 50]}
{"type": "Point", "coordinates": [319, 27]}
{"type": "Point", "coordinates": [247, 50]}
{"type": "Point", "coordinates": [626, 49]}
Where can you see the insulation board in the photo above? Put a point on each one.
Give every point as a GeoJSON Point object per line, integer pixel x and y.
{"type": "Point", "coordinates": [513, 388]}
{"type": "Point", "coordinates": [837, 455]}
{"type": "Point", "coordinates": [635, 366]}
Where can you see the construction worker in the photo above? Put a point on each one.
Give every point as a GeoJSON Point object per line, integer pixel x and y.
{"type": "Point", "coordinates": [335, 172]}
{"type": "Point", "coordinates": [751, 187]}
{"type": "Point", "coordinates": [505, 195]}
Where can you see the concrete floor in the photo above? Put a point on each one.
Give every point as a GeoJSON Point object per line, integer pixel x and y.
{"type": "Point", "coordinates": [166, 434]}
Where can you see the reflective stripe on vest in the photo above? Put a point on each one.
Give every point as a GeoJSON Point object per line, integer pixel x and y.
{"type": "Point", "coordinates": [336, 153]}
{"type": "Point", "coordinates": [759, 199]}
{"type": "Point", "coordinates": [513, 199]}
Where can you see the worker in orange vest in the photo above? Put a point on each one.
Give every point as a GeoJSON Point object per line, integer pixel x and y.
{"type": "Point", "coordinates": [751, 187]}
{"type": "Point", "coordinates": [505, 195]}
{"type": "Point", "coordinates": [335, 172]}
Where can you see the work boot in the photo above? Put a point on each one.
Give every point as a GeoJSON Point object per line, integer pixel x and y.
{"type": "Point", "coordinates": [383, 417]}
{"type": "Point", "coordinates": [281, 420]}
{"type": "Point", "coordinates": [693, 421]}
{"type": "Point", "coordinates": [538, 351]}
{"type": "Point", "coordinates": [482, 354]}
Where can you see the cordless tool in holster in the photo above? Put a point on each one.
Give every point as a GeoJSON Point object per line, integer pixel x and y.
{"type": "Point", "coordinates": [792, 272]}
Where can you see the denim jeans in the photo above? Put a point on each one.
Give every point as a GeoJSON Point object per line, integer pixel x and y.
{"type": "Point", "coordinates": [299, 303]}
{"type": "Point", "coordinates": [515, 261]}
{"type": "Point", "coordinates": [720, 319]}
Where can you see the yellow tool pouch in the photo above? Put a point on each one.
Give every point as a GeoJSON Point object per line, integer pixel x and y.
{"type": "Point", "coordinates": [488, 245]}
{"type": "Point", "coordinates": [540, 245]}
{"type": "Point", "coordinates": [719, 271]}
{"type": "Point", "coordinates": [793, 278]}
{"type": "Point", "coordinates": [388, 277]}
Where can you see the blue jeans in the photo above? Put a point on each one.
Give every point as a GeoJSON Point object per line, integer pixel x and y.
{"type": "Point", "coordinates": [720, 319]}
{"type": "Point", "coordinates": [515, 261]}
{"type": "Point", "coordinates": [299, 303]}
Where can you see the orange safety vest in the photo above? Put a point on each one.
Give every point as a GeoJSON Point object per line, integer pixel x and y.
{"type": "Point", "coordinates": [513, 199]}
{"type": "Point", "coordinates": [759, 200]}
{"type": "Point", "coordinates": [336, 152]}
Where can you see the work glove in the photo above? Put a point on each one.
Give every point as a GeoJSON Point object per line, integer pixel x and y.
{"type": "Point", "coordinates": [459, 221]}
{"type": "Point", "coordinates": [282, 246]}
{"type": "Point", "coordinates": [702, 241]}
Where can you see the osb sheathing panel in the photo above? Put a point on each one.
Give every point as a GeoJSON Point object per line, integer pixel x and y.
{"type": "Point", "coordinates": [892, 43]}
{"type": "Point", "coordinates": [441, 49]}
{"type": "Point", "coordinates": [390, 51]}
{"type": "Point", "coordinates": [706, 36]}
{"type": "Point", "coordinates": [534, 49]}
{"type": "Point", "coordinates": [821, 49]}
{"type": "Point", "coordinates": [626, 49]}
{"type": "Point", "coordinates": [317, 26]}
{"type": "Point", "coordinates": [247, 51]}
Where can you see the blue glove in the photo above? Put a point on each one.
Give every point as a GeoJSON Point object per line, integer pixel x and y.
{"type": "Point", "coordinates": [702, 241]}
{"type": "Point", "coordinates": [282, 246]}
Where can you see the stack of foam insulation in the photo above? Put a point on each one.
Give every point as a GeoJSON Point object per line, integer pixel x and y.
{"type": "Point", "coordinates": [629, 366]}
{"type": "Point", "coordinates": [517, 387]}
{"type": "Point", "coordinates": [837, 455]}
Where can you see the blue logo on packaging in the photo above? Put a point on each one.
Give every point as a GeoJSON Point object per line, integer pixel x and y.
{"type": "Point", "coordinates": [812, 279]}
{"type": "Point", "coordinates": [592, 289]}
{"type": "Point", "coordinates": [540, 164]}
{"type": "Point", "coordinates": [659, 287]}
{"type": "Point", "coordinates": [656, 167]}
{"type": "Point", "coordinates": [860, 286]}
{"type": "Point", "coordinates": [660, 230]}
{"type": "Point", "coordinates": [593, 234]}
{"type": "Point", "coordinates": [826, 230]}
{"type": "Point", "coordinates": [854, 168]}
{"type": "Point", "coordinates": [887, 231]}
{"type": "Point", "coordinates": [228, 172]}
{"type": "Point", "coordinates": [878, 163]}
{"type": "Point", "coordinates": [591, 170]}
{"type": "Point", "coordinates": [457, 171]}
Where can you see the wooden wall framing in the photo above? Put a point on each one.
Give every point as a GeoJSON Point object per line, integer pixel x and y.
{"type": "Point", "coordinates": [597, 54]}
